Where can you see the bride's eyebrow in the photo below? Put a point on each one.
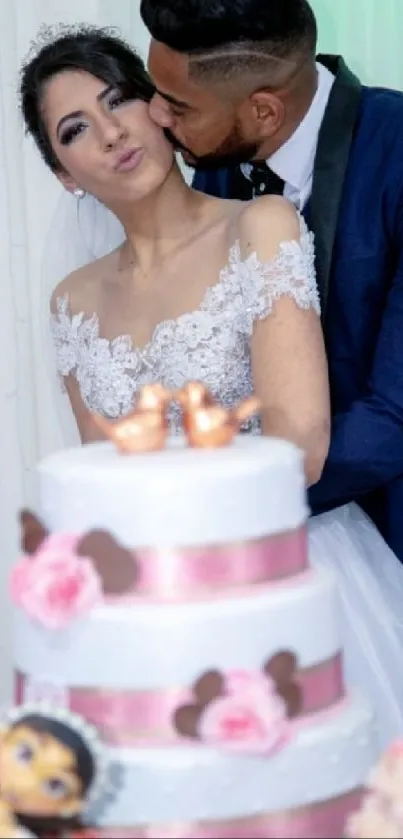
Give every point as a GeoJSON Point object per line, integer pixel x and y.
{"type": "Point", "coordinates": [77, 114]}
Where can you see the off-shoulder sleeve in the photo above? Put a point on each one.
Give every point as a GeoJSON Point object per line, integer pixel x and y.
{"type": "Point", "coordinates": [291, 273]}
{"type": "Point", "coordinates": [66, 335]}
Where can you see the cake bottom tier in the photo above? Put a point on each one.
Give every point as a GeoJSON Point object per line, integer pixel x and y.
{"type": "Point", "coordinates": [305, 790]}
{"type": "Point", "coordinates": [325, 820]}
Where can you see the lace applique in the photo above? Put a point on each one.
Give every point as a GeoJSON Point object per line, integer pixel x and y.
{"type": "Point", "coordinates": [290, 274]}
{"type": "Point", "coordinates": [210, 344]}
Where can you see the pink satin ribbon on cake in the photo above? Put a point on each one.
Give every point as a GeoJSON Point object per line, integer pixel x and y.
{"type": "Point", "coordinates": [324, 820]}
{"type": "Point", "coordinates": [127, 718]}
{"type": "Point", "coordinates": [181, 572]}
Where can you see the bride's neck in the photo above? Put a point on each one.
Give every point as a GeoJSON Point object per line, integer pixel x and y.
{"type": "Point", "coordinates": [156, 225]}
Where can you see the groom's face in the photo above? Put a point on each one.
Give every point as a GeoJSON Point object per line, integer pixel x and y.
{"type": "Point", "coordinates": [205, 127]}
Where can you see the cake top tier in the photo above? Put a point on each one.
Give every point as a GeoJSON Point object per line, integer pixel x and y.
{"type": "Point", "coordinates": [178, 496]}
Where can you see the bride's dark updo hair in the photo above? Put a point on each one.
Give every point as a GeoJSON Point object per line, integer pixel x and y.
{"type": "Point", "coordinates": [88, 48]}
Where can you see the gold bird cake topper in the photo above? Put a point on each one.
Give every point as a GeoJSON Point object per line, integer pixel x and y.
{"type": "Point", "coordinates": [206, 423]}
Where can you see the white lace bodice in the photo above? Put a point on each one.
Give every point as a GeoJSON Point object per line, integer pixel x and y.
{"type": "Point", "coordinates": [210, 344]}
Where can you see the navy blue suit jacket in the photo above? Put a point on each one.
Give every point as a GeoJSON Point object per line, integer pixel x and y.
{"type": "Point", "coordinates": [356, 213]}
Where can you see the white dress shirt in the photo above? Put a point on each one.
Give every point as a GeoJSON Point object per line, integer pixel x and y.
{"type": "Point", "coordinates": [294, 161]}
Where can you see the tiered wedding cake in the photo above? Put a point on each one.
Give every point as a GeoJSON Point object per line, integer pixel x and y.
{"type": "Point", "coordinates": [169, 601]}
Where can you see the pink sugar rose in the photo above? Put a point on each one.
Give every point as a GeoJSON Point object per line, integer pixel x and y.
{"type": "Point", "coordinates": [247, 682]}
{"type": "Point", "coordinates": [251, 717]}
{"type": "Point", "coordinates": [396, 749]}
{"type": "Point", "coordinates": [63, 542]}
{"type": "Point", "coordinates": [55, 586]}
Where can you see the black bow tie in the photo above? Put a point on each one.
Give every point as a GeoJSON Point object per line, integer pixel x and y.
{"type": "Point", "coordinates": [264, 181]}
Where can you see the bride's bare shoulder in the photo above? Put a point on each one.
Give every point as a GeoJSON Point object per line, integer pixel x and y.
{"type": "Point", "coordinates": [83, 286]}
{"type": "Point", "coordinates": [269, 219]}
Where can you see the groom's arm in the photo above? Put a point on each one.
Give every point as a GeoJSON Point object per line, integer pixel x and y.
{"type": "Point", "coordinates": [366, 449]}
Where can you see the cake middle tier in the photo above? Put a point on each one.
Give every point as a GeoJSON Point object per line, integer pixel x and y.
{"type": "Point", "coordinates": [127, 668]}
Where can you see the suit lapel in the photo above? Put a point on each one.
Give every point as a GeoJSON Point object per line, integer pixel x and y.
{"type": "Point", "coordinates": [334, 143]}
{"type": "Point", "coordinates": [331, 161]}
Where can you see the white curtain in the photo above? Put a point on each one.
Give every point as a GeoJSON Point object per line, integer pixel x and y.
{"type": "Point", "coordinates": [28, 198]}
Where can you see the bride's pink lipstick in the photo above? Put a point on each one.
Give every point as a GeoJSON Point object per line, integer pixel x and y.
{"type": "Point", "coordinates": [128, 160]}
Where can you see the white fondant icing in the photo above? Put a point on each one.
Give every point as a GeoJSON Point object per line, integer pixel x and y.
{"type": "Point", "coordinates": [147, 646]}
{"type": "Point", "coordinates": [179, 496]}
{"type": "Point", "coordinates": [324, 760]}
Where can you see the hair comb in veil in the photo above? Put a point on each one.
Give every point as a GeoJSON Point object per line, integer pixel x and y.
{"type": "Point", "coordinates": [48, 33]}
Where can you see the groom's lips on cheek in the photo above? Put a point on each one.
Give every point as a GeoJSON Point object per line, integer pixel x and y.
{"type": "Point", "coordinates": [188, 157]}
{"type": "Point", "coordinates": [177, 145]}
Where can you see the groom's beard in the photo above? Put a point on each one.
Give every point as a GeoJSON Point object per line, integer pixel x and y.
{"type": "Point", "coordinates": [233, 151]}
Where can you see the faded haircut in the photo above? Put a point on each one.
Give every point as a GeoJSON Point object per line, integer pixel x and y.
{"type": "Point", "coordinates": [246, 64]}
{"type": "Point", "coordinates": [230, 39]}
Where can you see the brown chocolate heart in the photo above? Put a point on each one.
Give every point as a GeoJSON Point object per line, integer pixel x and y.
{"type": "Point", "coordinates": [209, 687]}
{"type": "Point", "coordinates": [292, 696]}
{"type": "Point", "coordinates": [33, 533]}
{"type": "Point", "coordinates": [282, 668]}
{"type": "Point", "coordinates": [115, 565]}
{"type": "Point", "coordinates": [186, 719]}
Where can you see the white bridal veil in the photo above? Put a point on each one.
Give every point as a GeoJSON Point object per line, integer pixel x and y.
{"type": "Point", "coordinates": [81, 231]}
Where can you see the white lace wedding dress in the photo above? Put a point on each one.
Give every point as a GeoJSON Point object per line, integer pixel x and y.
{"type": "Point", "coordinates": [212, 344]}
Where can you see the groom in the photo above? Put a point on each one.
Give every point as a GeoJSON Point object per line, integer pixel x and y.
{"type": "Point", "coordinates": [238, 81]}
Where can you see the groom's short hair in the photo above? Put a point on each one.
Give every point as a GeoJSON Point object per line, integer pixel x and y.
{"type": "Point", "coordinates": [225, 37]}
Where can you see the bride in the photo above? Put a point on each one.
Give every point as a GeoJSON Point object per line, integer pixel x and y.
{"type": "Point", "coordinates": [199, 288]}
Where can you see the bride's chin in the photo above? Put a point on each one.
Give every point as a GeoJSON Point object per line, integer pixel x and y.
{"type": "Point", "coordinates": [165, 179]}
{"type": "Point", "coordinates": [133, 195]}
{"type": "Point", "coordinates": [139, 186]}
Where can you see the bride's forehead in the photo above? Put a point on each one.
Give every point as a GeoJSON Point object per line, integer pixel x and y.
{"type": "Point", "coordinates": [71, 90]}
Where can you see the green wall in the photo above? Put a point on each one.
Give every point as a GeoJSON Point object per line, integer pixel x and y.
{"type": "Point", "coordinates": [368, 33]}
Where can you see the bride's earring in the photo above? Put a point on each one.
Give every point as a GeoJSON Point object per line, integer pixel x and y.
{"type": "Point", "coordinates": [79, 193]}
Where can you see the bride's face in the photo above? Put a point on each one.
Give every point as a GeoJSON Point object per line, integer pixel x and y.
{"type": "Point", "coordinates": [107, 145]}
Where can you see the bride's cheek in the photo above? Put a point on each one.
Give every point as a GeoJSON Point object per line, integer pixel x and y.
{"type": "Point", "coordinates": [164, 153]}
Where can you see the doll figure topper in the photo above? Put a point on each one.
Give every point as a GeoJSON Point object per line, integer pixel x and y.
{"type": "Point", "coordinates": [52, 768]}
